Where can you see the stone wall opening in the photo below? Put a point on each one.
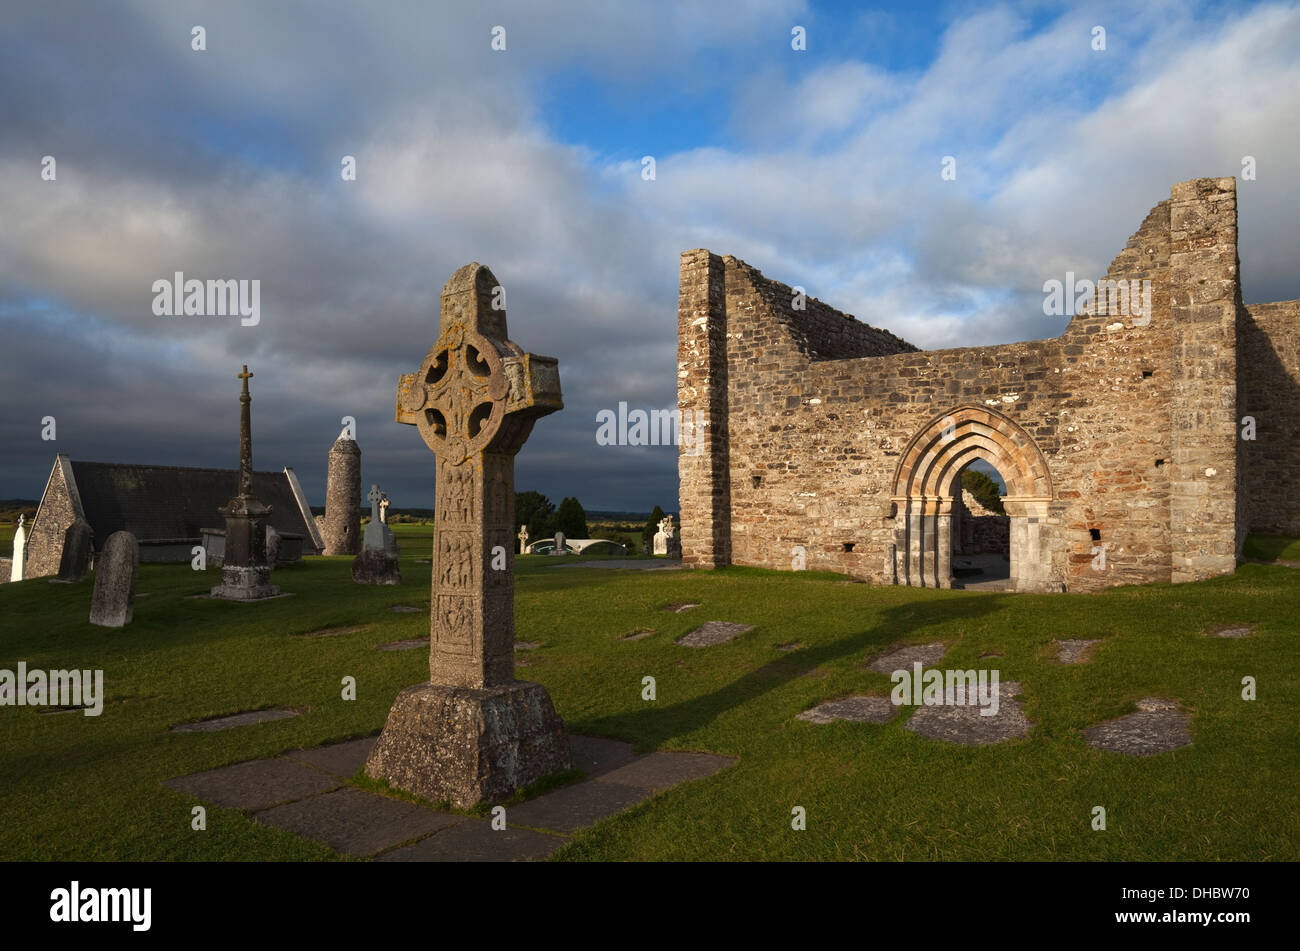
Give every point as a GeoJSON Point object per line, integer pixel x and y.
{"type": "Point", "coordinates": [927, 489]}
{"type": "Point", "coordinates": [981, 535]}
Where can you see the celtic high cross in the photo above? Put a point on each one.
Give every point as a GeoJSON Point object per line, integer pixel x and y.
{"type": "Point", "coordinates": [474, 401]}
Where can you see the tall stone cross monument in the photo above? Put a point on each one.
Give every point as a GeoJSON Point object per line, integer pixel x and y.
{"type": "Point", "coordinates": [245, 569]}
{"type": "Point", "coordinates": [473, 733]}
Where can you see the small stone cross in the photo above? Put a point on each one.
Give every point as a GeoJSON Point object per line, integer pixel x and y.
{"type": "Point", "coordinates": [523, 537]}
{"type": "Point", "coordinates": [474, 401]}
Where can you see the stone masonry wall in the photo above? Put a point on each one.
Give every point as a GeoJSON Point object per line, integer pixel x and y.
{"type": "Point", "coordinates": [1127, 415]}
{"type": "Point", "coordinates": [58, 510]}
{"type": "Point", "coordinates": [1268, 380]}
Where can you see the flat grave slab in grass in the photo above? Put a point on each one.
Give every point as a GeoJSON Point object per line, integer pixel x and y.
{"type": "Point", "coordinates": [407, 645]}
{"type": "Point", "coordinates": [1158, 727]}
{"type": "Point", "coordinates": [712, 633]}
{"type": "Point", "coordinates": [862, 709]}
{"type": "Point", "coordinates": [964, 723]}
{"type": "Point", "coordinates": [1074, 650]}
{"type": "Point", "coordinates": [306, 792]}
{"type": "Point", "coordinates": [635, 564]}
{"type": "Point", "coordinates": [902, 658]}
{"type": "Point", "coordinates": [233, 720]}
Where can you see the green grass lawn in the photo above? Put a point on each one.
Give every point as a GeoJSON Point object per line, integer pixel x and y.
{"type": "Point", "coordinates": [1272, 548]}
{"type": "Point", "coordinates": [91, 788]}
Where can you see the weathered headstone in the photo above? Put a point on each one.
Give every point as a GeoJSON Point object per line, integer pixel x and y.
{"type": "Point", "coordinates": [383, 510]}
{"type": "Point", "coordinates": [559, 548]}
{"type": "Point", "coordinates": [112, 604]}
{"type": "Point", "coordinates": [473, 733]}
{"type": "Point", "coordinates": [75, 560]}
{"type": "Point", "coordinates": [272, 546]}
{"type": "Point", "coordinates": [663, 537]}
{"type": "Point", "coordinates": [20, 551]}
{"type": "Point", "coordinates": [245, 570]}
{"type": "Point", "coordinates": [523, 538]}
{"type": "Point", "coordinates": [377, 563]}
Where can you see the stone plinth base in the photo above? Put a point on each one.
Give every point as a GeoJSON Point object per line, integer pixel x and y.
{"type": "Point", "coordinates": [375, 567]}
{"type": "Point", "coordinates": [469, 746]}
{"type": "Point", "coordinates": [245, 584]}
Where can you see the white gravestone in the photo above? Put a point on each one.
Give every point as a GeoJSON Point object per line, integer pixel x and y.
{"type": "Point", "coordinates": [559, 544]}
{"type": "Point", "coordinates": [523, 539]}
{"type": "Point", "coordinates": [661, 537]}
{"type": "Point", "coordinates": [20, 550]}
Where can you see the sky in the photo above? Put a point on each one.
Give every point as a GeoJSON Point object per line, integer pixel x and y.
{"type": "Point", "coordinates": [821, 167]}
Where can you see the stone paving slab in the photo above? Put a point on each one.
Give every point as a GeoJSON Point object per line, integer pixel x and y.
{"type": "Point", "coordinates": [406, 609]}
{"type": "Point", "coordinates": [964, 724]}
{"type": "Point", "coordinates": [1158, 727]}
{"type": "Point", "coordinates": [596, 756]}
{"type": "Point", "coordinates": [257, 784]}
{"type": "Point", "coordinates": [681, 606]}
{"type": "Point", "coordinates": [861, 709]}
{"type": "Point", "coordinates": [577, 806]}
{"type": "Point", "coordinates": [902, 658]}
{"type": "Point", "coordinates": [234, 720]}
{"type": "Point", "coordinates": [476, 841]}
{"type": "Point", "coordinates": [357, 823]}
{"type": "Point", "coordinates": [337, 759]}
{"type": "Point", "coordinates": [639, 634]}
{"type": "Point", "coordinates": [527, 645]}
{"type": "Point", "coordinates": [1073, 650]}
{"type": "Point", "coordinates": [712, 633]}
{"type": "Point", "coordinates": [663, 770]}
{"type": "Point", "coordinates": [303, 792]}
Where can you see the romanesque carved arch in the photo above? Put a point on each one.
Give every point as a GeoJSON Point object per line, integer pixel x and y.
{"type": "Point", "coordinates": [924, 487]}
{"type": "Point", "coordinates": [954, 438]}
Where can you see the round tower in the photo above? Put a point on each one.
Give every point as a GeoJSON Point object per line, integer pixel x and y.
{"type": "Point", "coordinates": [342, 530]}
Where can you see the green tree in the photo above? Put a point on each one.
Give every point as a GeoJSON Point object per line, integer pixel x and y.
{"type": "Point", "coordinates": [985, 490]}
{"type": "Point", "coordinates": [537, 512]}
{"type": "Point", "coordinates": [652, 526]}
{"type": "Point", "coordinates": [571, 519]}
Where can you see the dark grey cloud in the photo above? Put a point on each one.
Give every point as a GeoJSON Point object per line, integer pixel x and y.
{"type": "Point", "coordinates": [225, 164]}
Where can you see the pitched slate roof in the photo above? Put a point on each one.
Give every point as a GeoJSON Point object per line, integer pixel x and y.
{"type": "Point", "coordinates": [156, 503]}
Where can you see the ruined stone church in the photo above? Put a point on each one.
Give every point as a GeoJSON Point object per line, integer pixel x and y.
{"type": "Point", "coordinates": [1133, 449]}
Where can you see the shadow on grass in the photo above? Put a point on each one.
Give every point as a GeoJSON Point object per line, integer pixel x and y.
{"type": "Point", "coordinates": [653, 726]}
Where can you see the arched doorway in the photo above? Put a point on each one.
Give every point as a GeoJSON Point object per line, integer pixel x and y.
{"type": "Point", "coordinates": [928, 480]}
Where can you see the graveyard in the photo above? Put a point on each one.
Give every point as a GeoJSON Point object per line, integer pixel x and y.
{"type": "Point", "coordinates": [94, 788]}
{"type": "Point", "coordinates": [900, 515]}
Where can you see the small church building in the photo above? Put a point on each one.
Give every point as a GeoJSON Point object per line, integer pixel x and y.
{"type": "Point", "coordinates": [169, 509]}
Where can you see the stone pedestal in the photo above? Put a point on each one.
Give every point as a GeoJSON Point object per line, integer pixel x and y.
{"type": "Point", "coordinates": [245, 569]}
{"type": "Point", "coordinates": [466, 746]}
{"type": "Point", "coordinates": [376, 567]}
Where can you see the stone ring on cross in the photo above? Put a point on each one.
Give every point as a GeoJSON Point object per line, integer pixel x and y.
{"type": "Point", "coordinates": [458, 396]}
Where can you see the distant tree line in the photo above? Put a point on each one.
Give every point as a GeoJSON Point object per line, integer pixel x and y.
{"type": "Point", "coordinates": [544, 519]}
{"type": "Point", "coordinates": [985, 490]}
